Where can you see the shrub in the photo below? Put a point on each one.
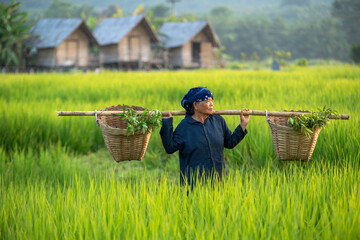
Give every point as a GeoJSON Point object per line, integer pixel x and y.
{"type": "Point", "coordinates": [236, 66]}
{"type": "Point", "coordinates": [355, 53]}
{"type": "Point", "coordinates": [303, 62]}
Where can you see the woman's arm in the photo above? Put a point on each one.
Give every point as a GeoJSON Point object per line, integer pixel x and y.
{"type": "Point", "coordinates": [169, 138]}
{"type": "Point", "coordinates": [232, 139]}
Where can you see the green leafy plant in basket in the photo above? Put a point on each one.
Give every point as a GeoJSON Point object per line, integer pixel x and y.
{"type": "Point", "coordinates": [145, 122]}
{"type": "Point", "coordinates": [307, 123]}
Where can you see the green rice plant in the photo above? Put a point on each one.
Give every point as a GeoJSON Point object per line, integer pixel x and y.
{"type": "Point", "coordinates": [318, 201]}
{"type": "Point", "coordinates": [145, 122]}
{"type": "Point", "coordinates": [29, 102]}
{"type": "Point", "coordinates": [56, 184]}
{"type": "Point", "coordinates": [52, 165]}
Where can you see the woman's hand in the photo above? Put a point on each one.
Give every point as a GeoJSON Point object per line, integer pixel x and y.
{"type": "Point", "coordinates": [244, 119]}
{"type": "Point", "coordinates": [165, 116]}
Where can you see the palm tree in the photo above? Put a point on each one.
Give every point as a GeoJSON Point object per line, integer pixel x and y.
{"type": "Point", "coordinates": [13, 30]}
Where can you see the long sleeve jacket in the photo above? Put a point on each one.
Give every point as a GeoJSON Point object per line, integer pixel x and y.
{"type": "Point", "coordinates": [200, 145]}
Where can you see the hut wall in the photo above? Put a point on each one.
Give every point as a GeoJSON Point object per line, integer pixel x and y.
{"type": "Point", "coordinates": [186, 55]}
{"type": "Point", "coordinates": [66, 53]}
{"type": "Point", "coordinates": [205, 52]}
{"type": "Point", "coordinates": [109, 54]}
{"type": "Point", "coordinates": [123, 50]}
{"type": "Point", "coordinates": [135, 46]}
{"type": "Point", "coordinates": [175, 57]}
{"type": "Point", "coordinates": [74, 51]}
{"type": "Point", "coordinates": [46, 57]}
{"type": "Point", "coordinates": [200, 37]}
{"type": "Point", "coordinates": [84, 49]}
{"type": "Point", "coordinates": [206, 55]}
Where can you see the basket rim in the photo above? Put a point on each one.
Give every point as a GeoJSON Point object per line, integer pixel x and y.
{"type": "Point", "coordinates": [122, 131]}
{"type": "Point", "coordinates": [287, 127]}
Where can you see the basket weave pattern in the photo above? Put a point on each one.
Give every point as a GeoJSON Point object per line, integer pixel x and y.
{"type": "Point", "coordinates": [290, 144]}
{"type": "Point", "coordinates": [114, 132]}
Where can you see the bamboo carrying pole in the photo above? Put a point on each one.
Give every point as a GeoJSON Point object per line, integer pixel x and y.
{"type": "Point", "coordinates": [181, 113]}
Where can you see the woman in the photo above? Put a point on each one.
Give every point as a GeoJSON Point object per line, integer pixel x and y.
{"type": "Point", "coordinates": [200, 137]}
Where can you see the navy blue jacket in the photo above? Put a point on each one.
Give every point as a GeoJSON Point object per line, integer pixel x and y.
{"type": "Point", "coordinates": [201, 146]}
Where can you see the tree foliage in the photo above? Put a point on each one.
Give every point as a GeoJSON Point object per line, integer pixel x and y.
{"type": "Point", "coordinates": [65, 9]}
{"type": "Point", "coordinates": [140, 9]}
{"type": "Point", "coordinates": [13, 30]}
{"type": "Point", "coordinates": [295, 2]}
{"type": "Point", "coordinates": [348, 12]}
{"type": "Point", "coordinates": [355, 53]}
{"type": "Point", "coordinates": [317, 38]}
{"type": "Point", "coordinates": [160, 11]}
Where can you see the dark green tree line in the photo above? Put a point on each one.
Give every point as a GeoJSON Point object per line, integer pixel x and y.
{"type": "Point", "coordinates": [348, 12]}
{"type": "Point", "coordinates": [317, 38]}
{"type": "Point", "coordinates": [324, 36]}
{"type": "Point", "coordinates": [65, 9]}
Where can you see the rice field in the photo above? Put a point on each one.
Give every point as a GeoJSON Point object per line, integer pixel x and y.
{"type": "Point", "coordinates": [57, 180]}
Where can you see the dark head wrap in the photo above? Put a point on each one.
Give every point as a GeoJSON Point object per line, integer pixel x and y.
{"type": "Point", "coordinates": [197, 94]}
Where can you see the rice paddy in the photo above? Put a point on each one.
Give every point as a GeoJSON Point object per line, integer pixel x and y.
{"type": "Point", "coordinates": [57, 180]}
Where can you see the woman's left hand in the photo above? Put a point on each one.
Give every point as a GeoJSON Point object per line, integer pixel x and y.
{"type": "Point", "coordinates": [165, 116]}
{"type": "Point", "coordinates": [244, 119]}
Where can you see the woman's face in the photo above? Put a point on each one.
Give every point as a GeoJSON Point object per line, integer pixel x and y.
{"type": "Point", "coordinates": [204, 107]}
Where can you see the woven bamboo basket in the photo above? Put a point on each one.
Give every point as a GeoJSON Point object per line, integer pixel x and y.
{"type": "Point", "coordinates": [121, 146]}
{"type": "Point", "coordinates": [289, 144]}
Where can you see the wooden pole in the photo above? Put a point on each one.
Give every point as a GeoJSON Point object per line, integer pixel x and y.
{"type": "Point", "coordinates": [182, 113]}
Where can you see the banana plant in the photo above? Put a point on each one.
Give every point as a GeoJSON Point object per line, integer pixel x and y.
{"type": "Point", "coordinates": [13, 31]}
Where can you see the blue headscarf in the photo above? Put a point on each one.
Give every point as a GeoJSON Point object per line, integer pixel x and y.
{"type": "Point", "coordinates": [197, 94]}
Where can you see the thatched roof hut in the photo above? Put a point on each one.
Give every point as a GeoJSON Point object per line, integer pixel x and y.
{"type": "Point", "coordinates": [190, 44]}
{"type": "Point", "coordinates": [63, 42]}
{"type": "Point", "coordinates": [125, 41]}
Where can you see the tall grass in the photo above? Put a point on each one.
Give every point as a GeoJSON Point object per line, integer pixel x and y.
{"type": "Point", "coordinates": [55, 184]}
{"type": "Point", "coordinates": [29, 103]}
{"type": "Point", "coordinates": [289, 203]}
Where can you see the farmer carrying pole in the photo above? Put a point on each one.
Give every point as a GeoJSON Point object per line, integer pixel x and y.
{"type": "Point", "coordinates": [203, 133]}
{"type": "Point", "coordinates": [201, 137]}
{"type": "Point", "coordinates": [220, 112]}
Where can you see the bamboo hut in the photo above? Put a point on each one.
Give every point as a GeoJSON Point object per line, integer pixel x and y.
{"type": "Point", "coordinates": [125, 42]}
{"type": "Point", "coordinates": [63, 42]}
{"type": "Point", "coordinates": [189, 44]}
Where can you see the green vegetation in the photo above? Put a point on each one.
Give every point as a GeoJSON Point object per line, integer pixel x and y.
{"type": "Point", "coordinates": [303, 62]}
{"type": "Point", "coordinates": [143, 123]}
{"type": "Point", "coordinates": [355, 53]}
{"type": "Point", "coordinates": [296, 202]}
{"type": "Point", "coordinates": [316, 29]}
{"type": "Point", "coordinates": [347, 11]}
{"type": "Point", "coordinates": [57, 180]}
{"type": "Point", "coordinates": [59, 9]}
{"type": "Point", "coordinates": [307, 123]}
{"type": "Point", "coordinates": [13, 30]}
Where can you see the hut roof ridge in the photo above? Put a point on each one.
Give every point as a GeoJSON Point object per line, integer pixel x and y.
{"type": "Point", "coordinates": [176, 34]}
{"type": "Point", "coordinates": [53, 31]}
{"type": "Point", "coordinates": [112, 30]}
